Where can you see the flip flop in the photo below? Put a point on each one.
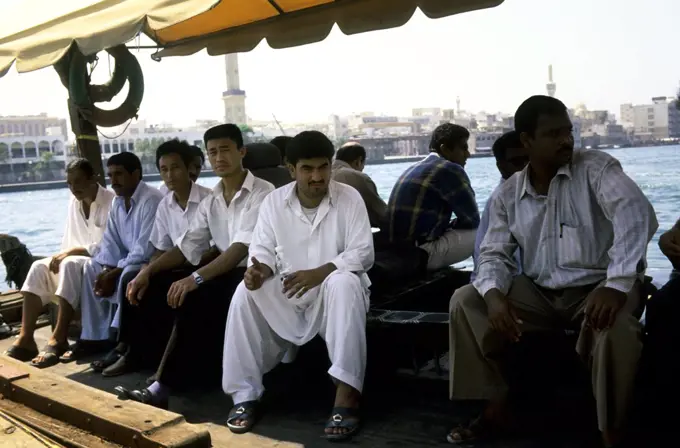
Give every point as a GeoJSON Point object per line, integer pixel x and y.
{"type": "Point", "coordinates": [21, 354]}
{"type": "Point", "coordinates": [246, 411]}
{"type": "Point", "coordinates": [345, 418]}
{"type": "Point", "coordinates": [50, 356]}
{"type": "Point", "coordinates": [82, 349]}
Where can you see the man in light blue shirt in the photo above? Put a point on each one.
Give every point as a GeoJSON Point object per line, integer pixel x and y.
{"type": "Point", "coordinates": [510, 158]}
{"type": "Point", "coordinates": [123, 250]}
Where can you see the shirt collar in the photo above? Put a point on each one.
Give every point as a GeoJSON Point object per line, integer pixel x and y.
{"type": "Point", "coordinates": [291, 196]}
{"type": "Point", "coordinates": [194, 196]}
{"type": "Point", "coordinates": [139, 191]}
{"type": "Point", "coordinates": [248, 184]}
{"type": "Point", "coordinates": [565, 170]}
{"type": "Point", "coordinates": [337, 164]}
{"type": "Point", "coordinates": [100, 197]}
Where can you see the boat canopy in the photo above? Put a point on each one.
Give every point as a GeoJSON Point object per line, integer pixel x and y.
{"type": "Point", "coordinates": [37, 33]}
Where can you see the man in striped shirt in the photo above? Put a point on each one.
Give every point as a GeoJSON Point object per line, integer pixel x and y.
{"type": "Point", "coordinates": [427, 195]}
{"type": "Point", "coordinates": [582, 227]}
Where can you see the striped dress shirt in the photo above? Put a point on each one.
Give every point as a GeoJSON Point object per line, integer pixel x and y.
{"type": "Point", "coordinates": [593, 225]}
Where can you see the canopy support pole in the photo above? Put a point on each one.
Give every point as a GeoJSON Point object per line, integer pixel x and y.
{"type": "Point", "coordinates": [87, 141]}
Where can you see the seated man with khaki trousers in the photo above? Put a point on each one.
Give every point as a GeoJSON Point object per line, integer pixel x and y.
{"type": "Point", "coordinates": [582, 227]}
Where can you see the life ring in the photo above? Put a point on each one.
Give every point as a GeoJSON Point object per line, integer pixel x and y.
{"type": "Point", "coordinates": [84, 96]}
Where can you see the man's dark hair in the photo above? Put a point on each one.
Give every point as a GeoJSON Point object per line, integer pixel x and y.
{"type": "Point", "coordinates": [230, 131]}
{"type": "Point", "coordinates": [350, 153]}
{"type": "Point", "coordinates": [309, 145]}
{"type": "Point", "coordinates": [506, 141]}
{"type": "Point", "coordinates": [81, 164]}
{"type": "Point", "coordinates": [174, 146]}
{"type": "Point", "coordinates": [127, 160]}
{"type": "Point", "coordinates": [448, 134]}
{"type": "Point", "coordinates": [197, 152]}
{"type": "Point", "coordinates": [281, 142]}
{"type": "Point", "coordinates": [526, 117]}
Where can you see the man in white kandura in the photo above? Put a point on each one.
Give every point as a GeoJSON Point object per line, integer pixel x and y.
{"type": "Point", "coordinates": [311, 248]}
{"type": "Point", "coordinates": [61, 275]}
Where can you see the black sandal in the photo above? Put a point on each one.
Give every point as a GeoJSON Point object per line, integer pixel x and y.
{"type": "Point", "coordinates": [21, 354]}
{"type": "Point", "coordinates": [50, 356]}
{"type": "Point", "coordinates": [110, 359]}
{"type": "Point", "coordinates": [344, 418]}
{"type": "Point", "coordinates": [143, 396]}
{"type": "Point", "coordinates": [245, 411]}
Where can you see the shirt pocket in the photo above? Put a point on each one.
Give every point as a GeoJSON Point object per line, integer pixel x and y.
{"type": "Point", "coordinates": [570, 250]}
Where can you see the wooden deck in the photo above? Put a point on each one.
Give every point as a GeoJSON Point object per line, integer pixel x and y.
{"type": "Point", "coordinates": [397, 411]}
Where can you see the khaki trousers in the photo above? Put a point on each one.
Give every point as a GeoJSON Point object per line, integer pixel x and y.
{"type": "Point", "coordinates": [612, 355]}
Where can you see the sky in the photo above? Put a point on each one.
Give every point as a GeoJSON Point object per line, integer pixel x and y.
{"type": "Point", "coordinates": [603, 52]}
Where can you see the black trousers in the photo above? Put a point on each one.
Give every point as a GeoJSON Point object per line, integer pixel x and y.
{"type": "Point", "coordinates": [188, 341]}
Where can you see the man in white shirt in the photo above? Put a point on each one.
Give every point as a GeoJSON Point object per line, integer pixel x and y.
{"type": "Point", "coordinates": [61, 275]}
{"type": "Point", "coordinates": [310, 252]}
{"type": "Point", "coordinates": [582, 227]}
{"type": "Point", "coordinates": [123, 250]}
{"type": "Point", "coordinates": [173, 216]}
{"type": "Point", "coordinates": [510, 158]}
{"type": "Point", "coordinates": [195, 167]}
{"type": "Point", "coordinates": [199, 300]}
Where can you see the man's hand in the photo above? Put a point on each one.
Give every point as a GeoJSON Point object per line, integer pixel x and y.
{"type": "Point", "coordinates": [55, 262]}
{"type": "Point", "coordinates": [669, 243]}
{"type": "Point", "coordinates": [138, 286]}
{"type": "Point", "coordinates": [105, 284]}
{"type": "Point", "coordinates": [602, 306]}
{"type": "Point", "coordinates": [299, 282]}
{"type": "Point", "coordinates": [502, 316]}
{"type": "Point", "coordinates": [179, 290]}
{"type": "Point", "coordinates": [256, 274]}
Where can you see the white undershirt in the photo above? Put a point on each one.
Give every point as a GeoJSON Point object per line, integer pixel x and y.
{"type": "Point", "coordinates": [310, 213]}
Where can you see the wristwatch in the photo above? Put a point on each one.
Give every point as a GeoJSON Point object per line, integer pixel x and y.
{"type": "Point", "coordinates": [198, 278]}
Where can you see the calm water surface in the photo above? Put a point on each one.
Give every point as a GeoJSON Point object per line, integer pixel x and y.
{"type": "Point", "coordinates": [37, 217]}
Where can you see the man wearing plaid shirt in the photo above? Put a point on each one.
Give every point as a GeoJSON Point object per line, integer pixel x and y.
{"type": "Point", "coordinates": [427, 195]}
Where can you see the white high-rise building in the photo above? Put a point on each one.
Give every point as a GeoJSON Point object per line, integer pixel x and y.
{"type": "Point", "coordinates": [234, 98]}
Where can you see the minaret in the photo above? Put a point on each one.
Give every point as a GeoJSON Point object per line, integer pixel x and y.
{"type": "Point", "coordinates": [551, 87]}
{"type": "Point", "coordinates": [234, 98]}
{"type": "Point", "coordinates": [457, 105]}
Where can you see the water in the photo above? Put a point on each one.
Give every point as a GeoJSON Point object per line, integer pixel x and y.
{"type": "Point", "coordinates": [37, 217]}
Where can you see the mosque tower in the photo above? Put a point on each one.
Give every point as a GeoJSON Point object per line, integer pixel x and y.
{"type": "Point", "coordinates": [551, 87]}
{"type": "Point", "coordinates": [234, 98]}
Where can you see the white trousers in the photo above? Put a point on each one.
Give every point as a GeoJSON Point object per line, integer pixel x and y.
{"type": "Point", "coordinates": [66, 284]}
{"type": "Point", "coordinates": [101, 314]}
{"type": "Point", "coordinates": [252, 347]}
{"type": "Point", "coordinates": [452, 247]}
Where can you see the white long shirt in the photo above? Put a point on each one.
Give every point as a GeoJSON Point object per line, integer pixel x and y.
{"type": "Point", "coordinates": [172, 221]}
{"type": "Point", "coordinates": [87, 232]}
{"type": "Point", "coordinates": [224, 224]}
{"type": "Point", "coordinates": [340, 233]}
{"type": "Point", "coordinates": [594, 224]}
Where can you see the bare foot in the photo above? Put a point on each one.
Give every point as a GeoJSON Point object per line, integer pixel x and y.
{"type": "Point", "coordinates": [26, 342]}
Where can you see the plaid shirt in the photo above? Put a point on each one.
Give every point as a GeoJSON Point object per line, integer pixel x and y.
{"type": "Point", "coordinates": [424, 198]}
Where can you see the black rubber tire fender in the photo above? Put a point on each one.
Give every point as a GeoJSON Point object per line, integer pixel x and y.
{"type": "Point", "coordinates": [127, 68]}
